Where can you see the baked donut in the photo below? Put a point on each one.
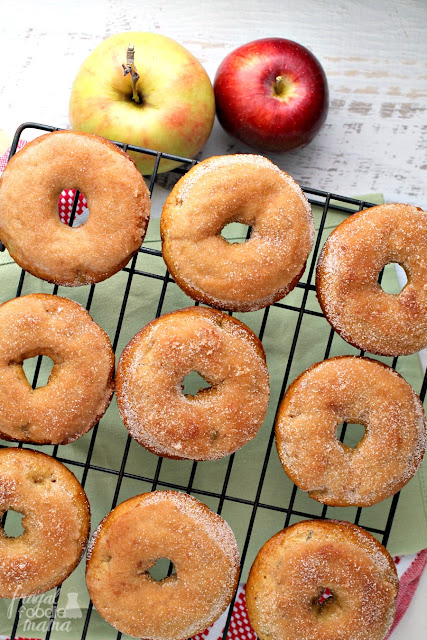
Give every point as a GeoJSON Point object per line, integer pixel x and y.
{"type": "Point", "coordinates": [129, 541]}
{"type": "Point", "coordinates": [347, 285]}
{"type": "Point", "coordinates": [214, 422]}
{"type": "Point", "coordinates": [236, 276]}
{"type": "Point", "coordinates": [56, 522]}
{"type": "Point", "coordinates": [80, 384]}
{"type": "Point", "coordinates": [117, 197]}
{"type": "Point", "coordinates": [354, 390]}
{"type": "Point", "coordinates": [286, 592]}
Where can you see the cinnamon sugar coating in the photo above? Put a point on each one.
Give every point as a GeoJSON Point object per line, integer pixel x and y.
{"type": "Point", "coordinates": [56, 522]}
{"type": "Point", "coordinates": [359, 390]}
{"type": "Point", "coordinates": [129, 541]}
{"type": "Point", "coordinates": [296, 565]}
{"type": "Point", "coordinates": [80, 384]}
{"type": "Point", "coordinates": [216, 421]}
{"type": "Point", "coordinates": [236, 276]}
{"type": "Point", "coordinates": [117, 197]}
{"type": "Point", "coordinates": [347, 279]}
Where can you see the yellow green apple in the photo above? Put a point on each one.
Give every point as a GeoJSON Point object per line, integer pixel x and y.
{"type": "Point", "coordinates": [170, 107]}
{"type": "Point", "coordinates": [5, 142]}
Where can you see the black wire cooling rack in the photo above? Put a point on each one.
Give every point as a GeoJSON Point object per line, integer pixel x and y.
{"type": "Point", "coordinates": [224, 493]}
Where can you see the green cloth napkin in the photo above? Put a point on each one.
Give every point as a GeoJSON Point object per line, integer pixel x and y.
{"type": "Point", "coordinates": [409, 531]}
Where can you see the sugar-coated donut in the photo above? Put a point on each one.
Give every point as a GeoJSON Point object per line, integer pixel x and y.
{"type": "Point", "coordinates": [359, 390]}
{"type": "Point", "coordinates": [117, 197]}
{"type": "Point", "coordinates": [80, 384]}
{"type": "Point", "coordinates": [286, 592]}
{"type": "Point", "coordinates": [236, 276]}
{"type": "Point", "coordinates": [347, 279]}
{"type": "Point", "coordinates": [56, 522]}
{"type": "Point", "coordinates": [216, 421]}
{"type": "Point", "coordinates": [129, 541]}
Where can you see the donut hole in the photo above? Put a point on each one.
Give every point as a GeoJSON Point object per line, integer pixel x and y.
{"type": "Point", "coordinates": [352, 432]}
{"type": "Point", "coordinates": [11, 523]}
{"type": "Point", "coordinates": [161, 570]}
{"type": "Point", "coordinates": [72, 208]}
{"type": "Point", "coordinates": [392, 278]}
{"type": "Point", "coordinates": [194, 385]}
{"type": "Point", "coordinates": [37, 370]}
{"type": "Point", "coordinates": [236, 232]}
{"type": "Point", "coordinates": [325, 602]}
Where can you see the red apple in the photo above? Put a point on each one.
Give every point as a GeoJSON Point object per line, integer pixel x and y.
{"type": "Point", "coordinates": [271, 94]}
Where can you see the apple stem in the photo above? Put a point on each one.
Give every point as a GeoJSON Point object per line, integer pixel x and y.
{"type": "Point", "coordinates": [129, 67]}
{"type": "Point", "coordinates": [279, 86]}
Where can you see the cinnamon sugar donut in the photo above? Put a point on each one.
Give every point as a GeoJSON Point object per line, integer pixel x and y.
{"type": "Point", "coordinates": [347, 279]}
{"type": "Point", "coordinates": [80, 384]}
{"type": "Point", "coordinates": [214, 422]}
{"type": "Point", "coordinates": [354, 390]}
{"type": "Point", "coordinates": [129, 541]}
{"type": "Point", "coordinates": [56, 522]}
{"type": "Point", "coordinates": [238, 188]}
{"type": "Point", "coordinates": [118, 201]}
{"type": "Point", "coordinates": [286, 592]}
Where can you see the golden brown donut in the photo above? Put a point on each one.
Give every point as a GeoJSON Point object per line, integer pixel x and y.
{"type": "Point", "coordinates": [293, 569]}
{"type": "Point", "coordinates": [56, 522]}
{"type": "Point", "coordinates": [216, 421]}
{"type": "Point", "coordinates": [347, 279]}
{"type": "Point", "coordinates": [359, 390]}
{"type": "Point", "coordinates": [129, 541]}
{"type": "Point", "coordinates": [236, 276]}
{"type": "Point", "coordinates": [117, 197]}
{"type": "Point", "coordinates": [80, 384]}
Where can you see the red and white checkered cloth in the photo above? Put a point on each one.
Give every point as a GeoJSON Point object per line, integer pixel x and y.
{"type": "Point", "coordinates": [409, 568]}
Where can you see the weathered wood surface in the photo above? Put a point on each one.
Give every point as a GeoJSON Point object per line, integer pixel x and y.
{"type": "Point", "coordinates": [374, 54]}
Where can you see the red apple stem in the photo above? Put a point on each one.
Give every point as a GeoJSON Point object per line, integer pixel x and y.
{"type": "Point", "coordinates": [279, 85]}
{"type": "Point", "coordinates": [130, 68]}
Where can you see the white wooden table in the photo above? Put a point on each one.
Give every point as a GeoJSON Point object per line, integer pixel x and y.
{"type": "Point", "coordinates": [373, 52]}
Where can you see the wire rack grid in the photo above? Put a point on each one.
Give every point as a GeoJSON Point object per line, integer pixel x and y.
{"type": "Point", "coordinates": [224, 493]}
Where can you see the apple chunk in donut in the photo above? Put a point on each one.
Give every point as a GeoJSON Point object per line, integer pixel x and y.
{"type": "Point", "coordinates": [56, 522]}
{"type": "Point", "coordinates": [236, 276]}
{"type": "Point", "coordinates": [216, 421]}
{"type": "Point", "coordinates": [128, 543]}
{"type": "Point", "coordinates": [80, 385]}
{"type": "Point", "coordinates": [322, 580]}
{"type": "Point", "coordinates": [354, 390]}
{"type": "Point", "coordinates": [117, 197]}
